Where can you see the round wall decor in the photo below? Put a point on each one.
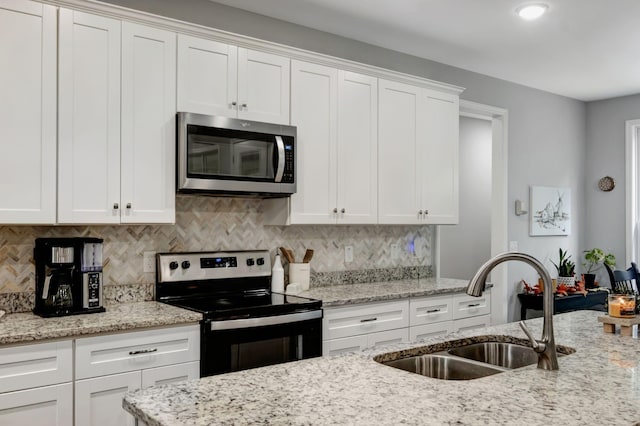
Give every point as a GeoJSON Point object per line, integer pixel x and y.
{"type": "Point", "coordinates": [606, 184]}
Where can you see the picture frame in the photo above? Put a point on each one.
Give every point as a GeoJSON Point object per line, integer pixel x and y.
{"type": "Point", "coordinates": [550, 211]}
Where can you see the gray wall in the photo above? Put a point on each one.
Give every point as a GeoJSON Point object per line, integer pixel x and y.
{"type": "Point", "coordinates": [546, 132]}
{"type": "Point", "coordinates": [461, 256]}
{"type": "Point", "coordinates": [605, 211]}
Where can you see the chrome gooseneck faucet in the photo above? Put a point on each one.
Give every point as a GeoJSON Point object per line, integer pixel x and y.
{"type": "Point", "coordinates": [546, 346]}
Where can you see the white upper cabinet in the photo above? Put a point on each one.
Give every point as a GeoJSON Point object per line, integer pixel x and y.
{"type": "Point", "coordinates": [221, 79]}
{"type": "Point", "coordinates": [89, 119]}
{"type": "Point", "coordinates": [116, 161]}
{"type": "Point", "coordinates": [28, 112]}
{"type": "Point", "coordinates": [438, 158]}
{"type": "Point", "coordinates": [314, 97]}
{"type": "Point", "coordinates": [398, 191]}
{"type": "Point", "coordinates": [335, 113]}
{"type": "Point", "coordinates": [357, 157]}
{"type": "Point", "coordinates": [148, 124]}
{"type": "Point", "coordinates": [418, 155]}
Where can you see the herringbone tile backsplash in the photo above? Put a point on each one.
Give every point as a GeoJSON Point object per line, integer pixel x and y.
{"type": "Point", "coordinates": [214, 223]}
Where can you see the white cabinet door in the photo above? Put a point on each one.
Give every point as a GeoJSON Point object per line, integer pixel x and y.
{"type": "Point", "coordinates": [263, 86]}
{"type": "Point", "coordinates": [420, 332]}
{"type": "Point", "coordinates": [28, 82]}
{"type": "Point", "coordinates": [357, 155]}
{"type": "Point", "coordinates": [148, 124]}
{"type": "Point", "coordinates": [98, 401]}
{"type": "Point", "coordinates": [207, 76]}
{"type": "Point", "coordinates": [89, 119]}
{"type": "Point", "coordinates": [398, 135]}
{"type": "Point", "coordinates": [472, 323]}
{"type": "Point", "coordinates": [344, 345]}
{"type": "Point", "coordinates": [391, 337]}
{"type": "Point", "coordinates": [44, 406]}
{"type": "Point", "coordinates": [438, 154]}
{"type": "Point", "coordinates": [314, 94]}
{"type": "Point", "coordinates": [170, 374]}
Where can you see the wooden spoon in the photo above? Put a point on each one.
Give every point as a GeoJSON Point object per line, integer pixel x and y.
{"type": "Point", "coordinates": [288, 255]}
{"type": "Point", "coordinates": [307, 256]}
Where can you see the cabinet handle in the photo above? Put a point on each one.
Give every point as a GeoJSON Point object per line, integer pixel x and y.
{"type": "Point", "coordinates": [343, 210]}
{"type": "Point", "coordinates": [116, 206]}
{"type": "Point", "coordinates": [433, 310]}
{"type": "Point", "coordinates": [143, 351]}
{"type": "Point", "coordinates": [368, 319]}
{"type": "Point", "coordinates": [473, 305]}
{"type": "Point", "coordinates": [335, 210]}
{"type": "Point", "coordinates": [128, 205]}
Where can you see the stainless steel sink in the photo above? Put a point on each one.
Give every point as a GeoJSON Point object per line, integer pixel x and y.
{"type": "Point", "coordinates": [440, 366]}
{"type": "Point", "coordinates": [507, 355]}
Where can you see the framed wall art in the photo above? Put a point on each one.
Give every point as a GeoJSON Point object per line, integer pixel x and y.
{"type": "Point", "coordinates": [550, 211]}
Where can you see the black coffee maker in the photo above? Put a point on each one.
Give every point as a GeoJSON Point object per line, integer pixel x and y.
{"type": "Point", "coordinates": [68, 276]}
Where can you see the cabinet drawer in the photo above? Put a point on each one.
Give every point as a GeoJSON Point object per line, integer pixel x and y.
{"type": "Point", "coordinates": [344, 345]}
{"type": "Point", "coordinates": [367, 318]}
{"type": "Point", "coordinates": [30, 366]}
{"type": "Point", "coordinates": [390, 337]}
{"type": "Point", "coordinates": [421, 332]}
{"type": "Point", "coordinates": [465, 306]}
{"type": "Point", "coordinates": [45, 406]}
{"type": "Point", "coordinates": [429, 310]}
{"type": "Point", "coordinates": [472, 323]}
{"type": "Point", "coordinates": [170, 374]}
{"type": "Point", "coordinates": [118, 353]}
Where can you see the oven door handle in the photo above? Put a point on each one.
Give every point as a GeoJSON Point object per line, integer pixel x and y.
{"type": "Point", "coordinates": [281, 159]}
{"type": "Point", "coordinates": [264, 321]}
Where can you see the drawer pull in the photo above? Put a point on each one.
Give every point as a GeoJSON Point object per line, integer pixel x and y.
{"type": "Point", "coordinates": [368, 319]}
{"type": "Point", "coordinates": [473, 305]}
{"type": "Point", "coordinates": [433, 310]}
{"type": "Point", "coordinates": [143, 351]}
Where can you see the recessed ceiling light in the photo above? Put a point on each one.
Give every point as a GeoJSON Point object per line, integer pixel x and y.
{"type": "Point", "coordinates": [529, 12]}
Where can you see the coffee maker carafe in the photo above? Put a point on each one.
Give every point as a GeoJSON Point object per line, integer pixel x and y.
{"type": "Point", "coordinates": [68, 276]}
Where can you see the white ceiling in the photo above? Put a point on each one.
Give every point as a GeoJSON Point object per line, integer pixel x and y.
{"type": "Point", "coordinates": [583, 49]}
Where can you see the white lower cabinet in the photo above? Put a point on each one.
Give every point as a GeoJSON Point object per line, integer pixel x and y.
{"type": "Point", "coordinates": [98, 401]}
{"type": "Point", "coordinates": [358, 327]}
{"type": "Point", "coordinates": [43, 406]}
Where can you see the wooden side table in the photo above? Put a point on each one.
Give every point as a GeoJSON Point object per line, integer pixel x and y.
{"type": "Point", "coordinates": [573, 302]}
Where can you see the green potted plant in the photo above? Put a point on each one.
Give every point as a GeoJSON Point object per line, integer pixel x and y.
{"type": "Point", "coordinates": [594, 257]}
{"type": "Point", "coordinates": [566, 269]}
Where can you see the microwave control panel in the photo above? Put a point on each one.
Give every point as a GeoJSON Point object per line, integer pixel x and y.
{"type": "Point", "coordinates": [288, 175]}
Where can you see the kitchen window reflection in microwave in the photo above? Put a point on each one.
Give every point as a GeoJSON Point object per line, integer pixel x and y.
{"type": "Point", "coordinates": [210, 155]}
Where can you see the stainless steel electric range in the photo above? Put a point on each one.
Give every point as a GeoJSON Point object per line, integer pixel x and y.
{"type": "Point", "coordinates": [244, 324]}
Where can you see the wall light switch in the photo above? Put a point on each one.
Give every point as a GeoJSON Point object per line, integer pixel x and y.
{"type": "Point", "coordinates": [348, 254]}
{"type": "Point", "coordinates": [149, 262]}
{"type": "Point", "coordinates": [395, 251]}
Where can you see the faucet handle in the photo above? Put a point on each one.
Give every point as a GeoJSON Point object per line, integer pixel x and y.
{"type": "Point", "coordinates": [537, 346]}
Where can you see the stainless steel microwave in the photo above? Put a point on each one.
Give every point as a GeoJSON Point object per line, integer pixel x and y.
{"type": "Point", "coordinates": [228, 156]}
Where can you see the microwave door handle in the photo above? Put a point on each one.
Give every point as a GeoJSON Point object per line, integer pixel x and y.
{"type": "Point", "coordinates": [280, 167]}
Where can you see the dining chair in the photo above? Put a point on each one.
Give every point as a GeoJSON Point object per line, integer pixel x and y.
{"type": "Point", "coordinates": [624, 282]}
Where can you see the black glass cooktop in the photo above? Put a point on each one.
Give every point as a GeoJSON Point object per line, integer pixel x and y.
{"type": "Point", "coordinates": [246, 305]}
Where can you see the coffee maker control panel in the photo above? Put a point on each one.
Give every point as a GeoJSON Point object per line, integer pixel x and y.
{"type": "Point", "coordinates": [92, 291]}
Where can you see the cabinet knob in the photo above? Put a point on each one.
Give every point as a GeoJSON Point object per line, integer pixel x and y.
{"type": "Point", "coordinates": [116, 206]}
{"type": "Point", "coordinates": [420, 213]}
{"type": "Point", "coordinates": [128, 205]}
{"type": "Point", "coordinates": [244, 105]}
{"type": "Point", "coordinates": [342, 210]}
{"type": "Point", "coordinates": [426, 212]}
{"type": "Point", "coordinates": [234, 104]}
{"type": "Point", "coordinates": [335, 210]}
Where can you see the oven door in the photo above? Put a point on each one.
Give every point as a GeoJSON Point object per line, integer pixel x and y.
{"type": "Point", "coordinates": [241, 344]}
{"type": "Point", "coordinates": [226, 155]}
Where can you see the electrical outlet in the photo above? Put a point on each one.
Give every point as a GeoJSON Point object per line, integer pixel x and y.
{"type": "Point", "coordinates": [348, 254]}
{"type": "Point", "coordinates": [149, 262]}
{"type": "Point", "coordinates": [395, 251]}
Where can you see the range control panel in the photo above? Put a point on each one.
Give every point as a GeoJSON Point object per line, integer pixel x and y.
{"type": "Point", "coordinates": [190, 266]}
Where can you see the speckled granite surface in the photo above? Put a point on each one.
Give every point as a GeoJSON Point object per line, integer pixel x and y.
{"type": "Point", "coordinates": [598, 384]}
{"type": "Point", "coordinates": [337, 295]}
{"type": "Point", "coordinates": [27, 327]}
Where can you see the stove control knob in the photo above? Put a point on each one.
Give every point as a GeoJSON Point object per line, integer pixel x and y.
{"type": "Point", "coordinates": [173, 265]}
{"type": "Point", "coordinates": [186, 264]}
{"type": "Point", "coordinates": [260, 261]}
{"type": "Point", "coordinates": [250, 262]}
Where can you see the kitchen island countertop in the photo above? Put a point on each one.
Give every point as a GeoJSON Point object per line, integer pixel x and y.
{"type": "Point", "coordinates": [598, 384]}
{"type": "Point", "coordinates": [27, 327]}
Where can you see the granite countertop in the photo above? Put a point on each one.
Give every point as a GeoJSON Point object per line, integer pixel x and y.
{"type": "Point", "coordinates": [598, 384]}
{"type": "Point", "coordinates": [28, 327]}
{"type": "Point", "coordinates": [337, 295]}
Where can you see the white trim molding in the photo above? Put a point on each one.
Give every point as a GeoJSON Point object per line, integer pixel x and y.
{"type": "Point", "coordinates": [632, 163]}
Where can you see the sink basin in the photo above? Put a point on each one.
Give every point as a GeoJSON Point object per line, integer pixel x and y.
{"type": "Point", "coordinates": [444, 367]}
{"type": "Point", "coordinates": [507, 355]}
